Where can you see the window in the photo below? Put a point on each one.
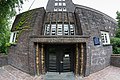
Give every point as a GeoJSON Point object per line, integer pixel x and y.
{"type": "Point", "coordinates": [56, 4]}
{"type": "Point", "coordinates": [72, 29]}
{"type": "Point", "coordinates": [60, 9]}
{"type": "Point", "coordinates": [64, 9]}
{"type": "Point", "coordinates": [63, 0]}
{"type": "Point", "coordinates": [47, 29]}
{"type": "Point", "coordinates": [59, 29]}
{"type": "Point", "coordinates": [105, 37]}
{"type": "Point", "coordinates": [64, 4]}
{"type": "Point", "coordinates": [111, 34]}
{"type": "Point", "coordinates": [56, 0]}
{"type": "Point", "coordinates": [53, 29]}
{"type": "Point", "coordinates": [13, 37]}
{"type": "Point", "coordinates": [55, 9]}
{"type": "Point", "coordinates": [60, 4]}
{"type": "Point", "coordinates": [66, 30]}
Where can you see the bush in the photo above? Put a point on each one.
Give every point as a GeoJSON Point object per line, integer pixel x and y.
{"type": "Point", "coordinates": [118, 33]}
{"type": "Point", "coordinates": [116, 45]}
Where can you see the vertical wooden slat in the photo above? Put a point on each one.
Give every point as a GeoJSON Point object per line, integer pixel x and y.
{"type": "Point", "coordinates": [76, 59]}
{"type": "Point", "coordinates": [37, 59]}
{"type": "Point", "coordinates": [82, 61]}
{"type": "Point", "coordinates": [42, 58]}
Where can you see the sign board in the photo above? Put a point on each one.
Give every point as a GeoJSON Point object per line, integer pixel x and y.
{"type": "Point", "coordinates": [66, 55]}
{"type": "Point", "coordinates": [96, 41]}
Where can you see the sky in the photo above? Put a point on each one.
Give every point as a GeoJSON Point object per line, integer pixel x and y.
{"type": "Point", "coordinates": [109, 7]}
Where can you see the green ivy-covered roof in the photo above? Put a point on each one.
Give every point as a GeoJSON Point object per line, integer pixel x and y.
{"type": "Point", "coordinates": [23, 20]}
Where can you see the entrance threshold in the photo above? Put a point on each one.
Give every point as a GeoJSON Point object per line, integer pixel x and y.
{"type": "Point", "coordinates": [61, 76]}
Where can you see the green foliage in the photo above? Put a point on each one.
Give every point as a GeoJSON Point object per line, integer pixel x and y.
{"type": "Point", "coordinates": [9, 44]}
{"type": "Point", "coordinates": [116, 41]}
{"type": "Point", "coordinates": [7, 11]}
{"type": "Point", "coordinates": [118, 33]}
{"type": "Point", "coordinates": [4, 37]}
{"type": "Point", "coordinates": [118, 18]}
{"type": "Point", "coordinates": [24, 20]}
{"type": "Point", "coordinates": [116, 45]}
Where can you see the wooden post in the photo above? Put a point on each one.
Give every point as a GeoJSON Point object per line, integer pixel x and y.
{"type": "Point", "coordinates": [76, 69]}
{"type": "Point", "coordinates": [37, 59]}
{"type": "Point", "coordinates": [42, 59]}
{"type": "Point", "coordinates": [82, 59]}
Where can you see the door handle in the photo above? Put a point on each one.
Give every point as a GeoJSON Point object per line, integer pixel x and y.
{"type": "Point", "coordinates": [61, 62]}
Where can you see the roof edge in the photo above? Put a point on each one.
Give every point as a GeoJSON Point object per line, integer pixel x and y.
{"type": "Point", "coordinates": [97, 11]}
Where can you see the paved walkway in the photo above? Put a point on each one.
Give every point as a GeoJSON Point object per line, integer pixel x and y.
{"type": "Point", "coordinates": [11, 73]}
{"type": "Point", "coordinates": [109, 73]}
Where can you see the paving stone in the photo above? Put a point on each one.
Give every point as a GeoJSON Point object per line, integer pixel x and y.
{"type": "Point", "coordinates": [11, 73]}
{"type": "Point", "coordinates": [109, 73]}
{"type": "Point", "coordinates": [61, 76]}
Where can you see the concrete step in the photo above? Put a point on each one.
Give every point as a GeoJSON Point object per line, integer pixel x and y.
{"type": "Point", "coordinates": [61, 76]}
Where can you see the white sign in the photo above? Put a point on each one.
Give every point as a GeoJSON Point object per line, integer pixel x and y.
{"type": "Point", "coordinates": [66, 55]}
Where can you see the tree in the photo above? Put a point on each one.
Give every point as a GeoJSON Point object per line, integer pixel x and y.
{"type": "Point", "coordinates": [7, 11]}
{"type": "Point", "coordinates": [118, 18]}
{"type": "Point", "coordinates": [116, 45]}
{"type": "Point", "coordinates": [116, 41]}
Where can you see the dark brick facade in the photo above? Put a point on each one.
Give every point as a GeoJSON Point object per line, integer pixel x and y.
{"type": "Point", "coordinates": [88, 24]}
{"type": "Point", "coordinates": [22, 54]}
{"type": "Point", "coordinates": [92, 22]}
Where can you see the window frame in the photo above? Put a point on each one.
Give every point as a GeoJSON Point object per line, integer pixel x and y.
{"type": "Point", "coordinates": [56, 3]}
{"type": "Point", "coordinates": [13, 37]}
{"type": "Point", "coordinates": [53, 29]}
{"type": "Point", "coordinates": [59, 26]}
{"type": "Point", "coordinates": [60, 9]}
{"type": "Point", "coordinates": [72, 31]}
{"type": "Point", "coordinates": [47, 25]}
{"type": "Point", "coordinates": [64, 4]}
{"type": "Point", "coordinates": [67, 29]}
{"type": "Point", "coordinates": [60, 3]}
{"type": "Point", "coordinates": [64, 9]}
{"type": "Point", "coordinates": [105, 38]}
{"type": "Point", "coordinates": [55, 9]}
{"type": "Point", "coordinates": [59, 29]}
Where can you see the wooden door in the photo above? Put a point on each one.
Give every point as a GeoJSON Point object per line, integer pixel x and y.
{"type": "Point", "coordinates": [60, 58]}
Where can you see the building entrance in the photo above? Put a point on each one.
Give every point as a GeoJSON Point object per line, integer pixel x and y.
{"type": "Point", "coordinates": [60, 58]}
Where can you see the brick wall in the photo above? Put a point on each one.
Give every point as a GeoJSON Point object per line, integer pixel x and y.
{"type": "Point", "coordinates": [100, 58]}
{"type": "Point", "coordinates": [21, 55]}
{"type": "Point", "coordinates": [92, 23]}
{"type": "Point", "coordinates": [115, 60]}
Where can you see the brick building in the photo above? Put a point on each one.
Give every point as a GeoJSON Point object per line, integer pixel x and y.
{"type": "Point", "coordinates": [65, 37]}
